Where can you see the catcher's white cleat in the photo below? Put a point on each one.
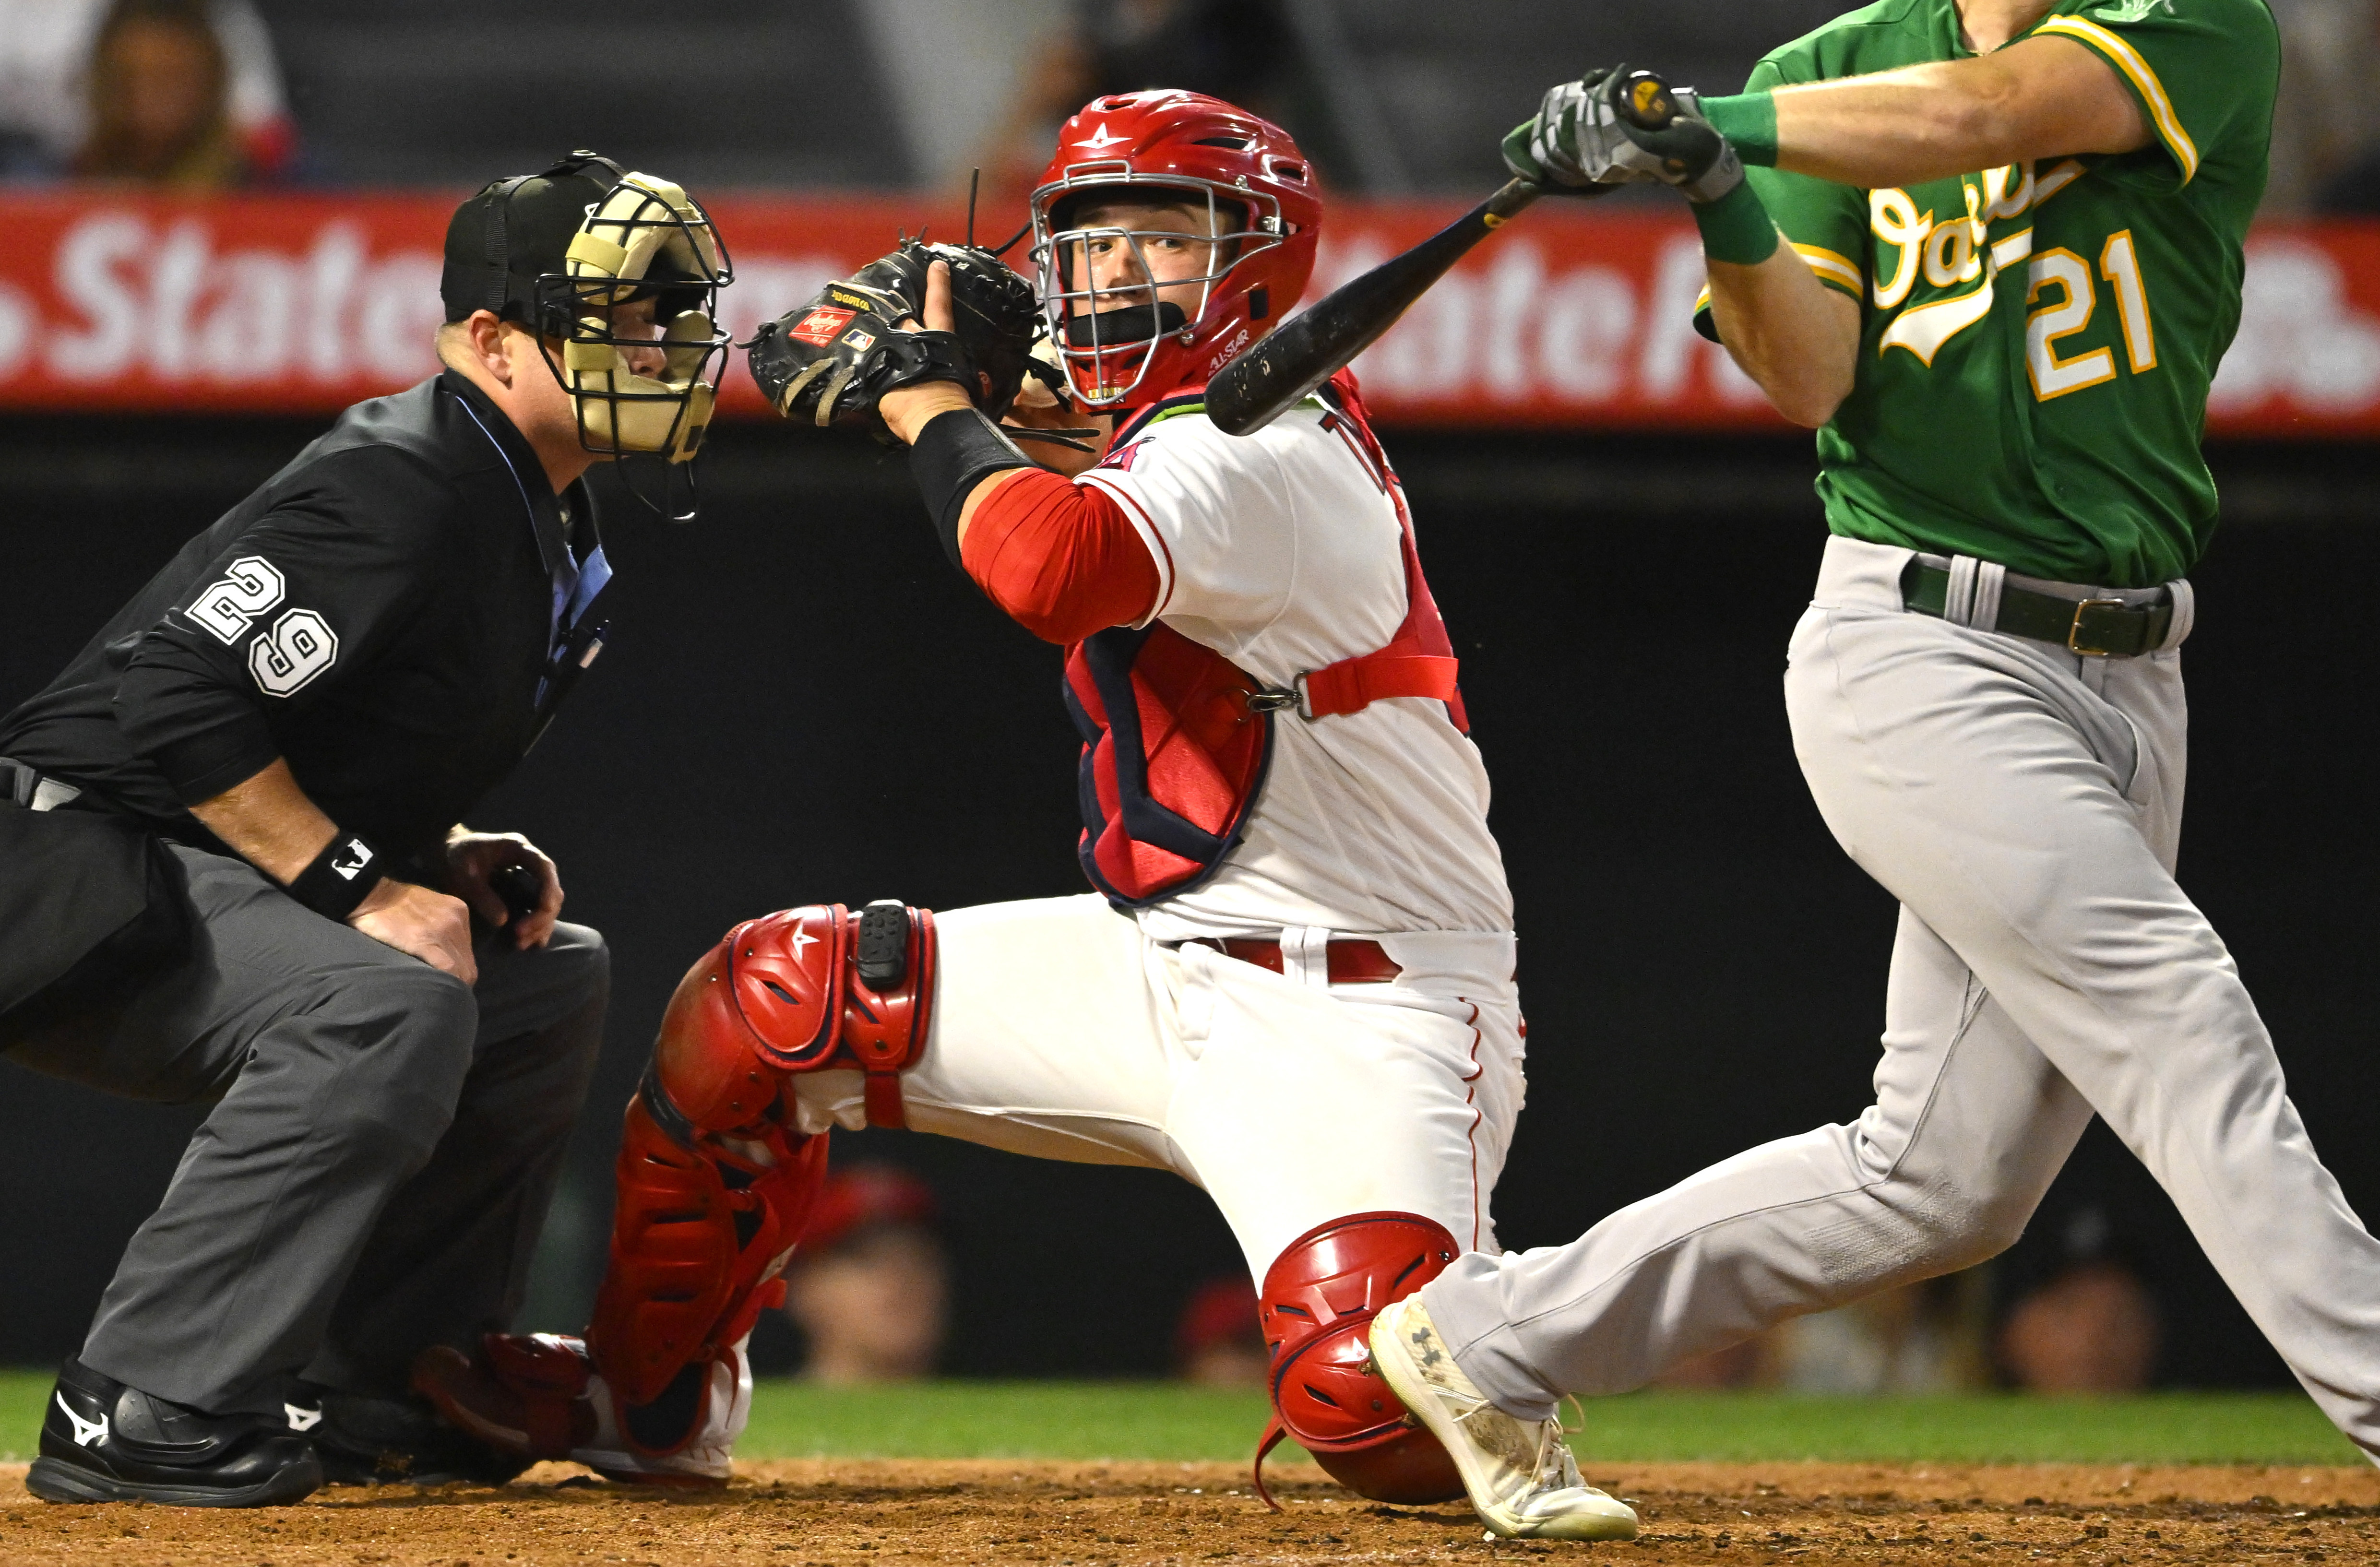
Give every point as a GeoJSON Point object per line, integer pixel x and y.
{"type": "Point", "coordinates": [1521, 1475]}
{"type": "Point", "coordinates": [707, 1457]}
{"type": "Point", "coordinates": [539, 1395]}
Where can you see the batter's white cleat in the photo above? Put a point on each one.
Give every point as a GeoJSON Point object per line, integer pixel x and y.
{"type": "Point", "coordinates": [1521, 1475]}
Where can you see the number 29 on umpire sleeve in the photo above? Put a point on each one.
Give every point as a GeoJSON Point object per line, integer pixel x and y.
{"type": "Point", "coordinates": [298, 647]}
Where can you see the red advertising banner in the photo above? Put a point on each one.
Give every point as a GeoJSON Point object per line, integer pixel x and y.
{"type": "Point", "coordinates": [1568, 320]}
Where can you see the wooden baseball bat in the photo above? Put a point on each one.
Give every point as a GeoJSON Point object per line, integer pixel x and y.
{"type": "Point", "coordinates": [1311, 347]}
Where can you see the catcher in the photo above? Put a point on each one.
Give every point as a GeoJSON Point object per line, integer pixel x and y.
{"type": "Point", "coordinates": [1293, 985]}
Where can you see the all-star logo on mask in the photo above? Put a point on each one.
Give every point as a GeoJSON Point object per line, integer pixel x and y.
{"type": "Point", "coordinates": [1099, 138]}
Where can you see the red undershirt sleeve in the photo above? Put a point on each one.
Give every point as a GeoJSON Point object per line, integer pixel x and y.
{"type": "Point", "coordinates": [1061, 558]}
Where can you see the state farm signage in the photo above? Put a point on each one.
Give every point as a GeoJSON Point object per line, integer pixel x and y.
{"type": "Point", "coordinates": [245, 304]}
{"type": "Point", "coordinates": [302, 304]}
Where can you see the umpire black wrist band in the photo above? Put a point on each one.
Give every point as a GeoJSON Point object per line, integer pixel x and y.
{"type": "Point", "coordinates": [342, 876]}
{"type": "Point", "coordinates": [955, 452]}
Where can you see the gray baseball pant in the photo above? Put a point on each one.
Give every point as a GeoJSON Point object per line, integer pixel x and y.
{"type": "Point", "coordinates": [2025, 805]}
{"type": "Point", "coordinates": [382, 1148]}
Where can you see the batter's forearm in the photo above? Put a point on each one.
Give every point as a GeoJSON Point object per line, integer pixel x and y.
{"type": "Point", "coordinates": [1928, 122]}
{"type": "Point", "coordinates": [2042, 97]}
{"type": "Point", "coordinates": [1796, 337]}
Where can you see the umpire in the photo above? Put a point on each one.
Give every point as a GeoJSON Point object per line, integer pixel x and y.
{"type": "Point", "coordinates": [229, 870]}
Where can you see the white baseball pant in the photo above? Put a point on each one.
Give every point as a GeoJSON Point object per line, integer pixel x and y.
{"type": "Point", "coordinates": [2025, 805]}
{"type": "Point", "coordinates": [1061, 1031]}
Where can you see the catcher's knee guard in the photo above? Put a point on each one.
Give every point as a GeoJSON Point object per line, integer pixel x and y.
{"type": "Point", "coordinates": [806, 990]}
{"type": "Point", "coordinates": [1317, 1308]}
{"type": "Point", "coordinates": [714, 1182]}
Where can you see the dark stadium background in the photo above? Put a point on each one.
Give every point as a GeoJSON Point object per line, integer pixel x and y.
{"type": "Point", "coordinates": [801, 702]}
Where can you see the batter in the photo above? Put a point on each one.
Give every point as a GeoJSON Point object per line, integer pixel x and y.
{"type": "Point", "coordinates": [2009, 368]}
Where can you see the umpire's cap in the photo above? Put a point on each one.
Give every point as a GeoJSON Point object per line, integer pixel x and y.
{"type": "Point", "coordinates": [515, 230]}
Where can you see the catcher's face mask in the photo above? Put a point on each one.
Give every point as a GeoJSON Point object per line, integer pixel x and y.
{"type": "Point", "coordinates": [1119, 289]}
{"type": "Point", "coordinates": [646, 240]}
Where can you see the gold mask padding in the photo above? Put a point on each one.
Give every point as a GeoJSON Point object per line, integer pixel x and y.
{"type": "Point", "coordinates": [644, 408]}
{"type": "Point", "coordinates": [641, 220]}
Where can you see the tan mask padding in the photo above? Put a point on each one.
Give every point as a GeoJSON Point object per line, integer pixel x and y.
{"type": "Point", "coordinates": [641, 219]}
{"type": "Point", "coordinates": [621, 411]}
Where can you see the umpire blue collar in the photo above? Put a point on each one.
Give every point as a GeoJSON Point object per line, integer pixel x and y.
{"type": "Point", "coordinates": [549, 515]}
{"type": "Point", "coordinates": [578, 578]}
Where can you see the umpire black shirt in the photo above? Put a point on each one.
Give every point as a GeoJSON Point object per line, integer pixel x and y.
{"type": "Point", "coordinates": [390, 613]}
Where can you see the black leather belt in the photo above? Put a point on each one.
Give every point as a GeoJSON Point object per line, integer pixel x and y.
{"type": "Point", "coordinates": [2093, 627]}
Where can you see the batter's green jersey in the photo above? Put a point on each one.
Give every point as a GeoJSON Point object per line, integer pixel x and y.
{"type": "Point", "coordinates": [2036, 343]}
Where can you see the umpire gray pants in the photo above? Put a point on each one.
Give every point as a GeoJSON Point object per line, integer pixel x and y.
{"type": "Point", "coordinates": [2025, 805]}
{"type": "Point", "coordinates": [382, 1148]}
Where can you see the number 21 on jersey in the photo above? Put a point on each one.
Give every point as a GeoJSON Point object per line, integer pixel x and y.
{"type": "Point", "coordinates": [2061, 296]}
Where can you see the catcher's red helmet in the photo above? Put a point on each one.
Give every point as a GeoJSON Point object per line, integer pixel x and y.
{"type": "Point", "coordinates": [1264, 207]}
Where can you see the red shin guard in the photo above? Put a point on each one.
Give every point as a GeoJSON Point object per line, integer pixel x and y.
{"type": "Point", "coordinates": [695, 1259]}
{"type": "Point", "coordinates": [715, 1183]}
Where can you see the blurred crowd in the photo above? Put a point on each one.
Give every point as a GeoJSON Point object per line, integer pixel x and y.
{"type": "Point", "coordinates": [2326, 120]}
{"type": "Point", "coordinates": [1236, 50]}
{"type": "Point", "coordinates": [184, 94]}
{"type": "Point", "coordinates": [189, 95]}
{"type": "Point", "coordinates": [868, 1295]}
{"type": "Point", "coordinates": [2072, 1312]}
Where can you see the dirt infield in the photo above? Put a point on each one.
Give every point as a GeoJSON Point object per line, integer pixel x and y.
{"type": "Point", "coordinates": [849, 1512]}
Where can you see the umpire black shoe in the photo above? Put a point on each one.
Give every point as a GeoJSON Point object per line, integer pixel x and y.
{"type": "Point", "coordinates": [364, 1441]}
{"type": "Point", "coordinates": [105, 1441]}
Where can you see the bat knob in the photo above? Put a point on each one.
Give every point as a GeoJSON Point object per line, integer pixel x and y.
{"type": "Point", "coordinates": [1645, 102]}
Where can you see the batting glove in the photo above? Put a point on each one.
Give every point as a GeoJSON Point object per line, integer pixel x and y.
{"type": "Point", "coordinates": [1688, 153]}
{"type": "Point", "coordinates": [1571, 141]}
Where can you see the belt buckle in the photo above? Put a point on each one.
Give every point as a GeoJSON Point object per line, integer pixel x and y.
{"type": "Point", "coordinates": [2074, 633]}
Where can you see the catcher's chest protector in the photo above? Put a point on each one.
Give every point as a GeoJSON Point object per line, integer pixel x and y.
{"type": "Point", "coordinates": [1174, 751]}
{"type": "Point", "coordinates": [1173, 758]}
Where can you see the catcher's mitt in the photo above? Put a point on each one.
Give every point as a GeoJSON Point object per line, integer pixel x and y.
{"type": "Point", "coordinates": [828, 362]}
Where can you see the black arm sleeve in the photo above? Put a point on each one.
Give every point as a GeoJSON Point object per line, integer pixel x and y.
{"type": "Point", "coordinates": [299, 603]}
{"type": "Point", "coordinates": [957, 449]}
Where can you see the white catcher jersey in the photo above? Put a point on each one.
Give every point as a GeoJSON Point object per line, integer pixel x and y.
{"type": "Point", "coordinates": [1282, 552]}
